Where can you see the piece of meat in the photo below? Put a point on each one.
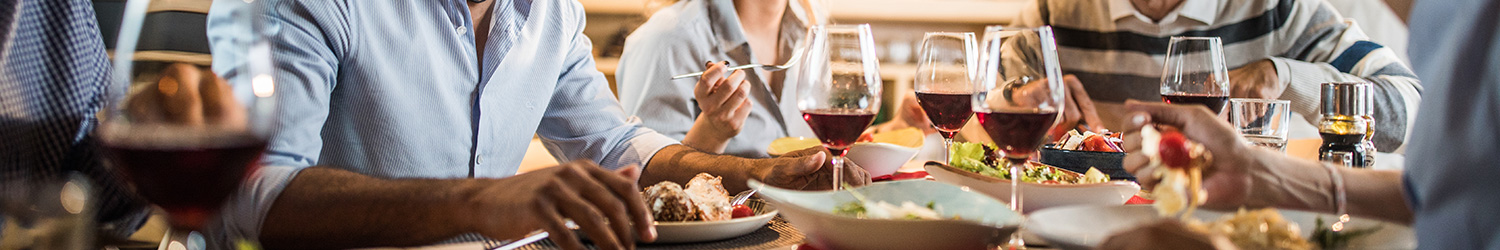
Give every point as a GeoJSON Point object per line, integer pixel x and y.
{"type": "Point", "coordinates": [707, 192]}
{"type": "Point", "coordinates": [668, 202]}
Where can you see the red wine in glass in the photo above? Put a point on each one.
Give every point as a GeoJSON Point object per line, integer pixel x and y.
{"type": "Point", "coordinates": [948, 112]}
{"type": "Point", "coordinates": [837, 128]}
{"type": "Point", "coordinates": [190, 178]}
{"type": "Point", "coordinates": [1018, 134]}
{"type": "Point", "coordinates": [1214, 103]}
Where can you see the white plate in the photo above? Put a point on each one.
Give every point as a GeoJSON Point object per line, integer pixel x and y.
{"type": "Point", "coordinates": [699, 231]}
{"type": "Point", "coordinates": [1085, 227]}
{"type": "Point", "coordinates": [1035, 197]}
{"type": "Point", "coordinates": [982, 221]}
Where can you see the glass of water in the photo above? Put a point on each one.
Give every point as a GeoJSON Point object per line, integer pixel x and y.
{"type": "Point", "coordinates": [1263, 122]}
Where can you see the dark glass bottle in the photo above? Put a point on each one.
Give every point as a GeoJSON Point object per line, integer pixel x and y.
{"type": "Point", "coordinates": [1346, 126]}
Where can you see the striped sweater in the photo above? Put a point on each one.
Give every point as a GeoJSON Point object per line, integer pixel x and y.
{"type": "Point", "coordinates": [1117, 53]}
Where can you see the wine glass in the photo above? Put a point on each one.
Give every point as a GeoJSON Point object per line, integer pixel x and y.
{"type": "Point", "coordinates": [1195, 73]}
{"type": "Point", "coordinates": [948, 64]}
{"type": "Point", "coordinates": [1020, 96]}
{"type": "Point", "coordinates": [183, 136]}
{"type": "Point", "coordinates": [840, 87]}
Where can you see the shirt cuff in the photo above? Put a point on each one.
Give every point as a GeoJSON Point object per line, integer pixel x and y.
{"type": "Point", "coordinates": [244, 212]}
{"type": "Point", "coordinates": [647, 143]}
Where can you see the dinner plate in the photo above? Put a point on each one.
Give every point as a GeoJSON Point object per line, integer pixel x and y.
{"type": "Point", "coordinates": [1085, 227]}
{"type": "Point", "coordinates": [980, 221]}
{"type": "Point", "coordinates": [1036, 197]}
{"type": "Point", "coordinates": [700, 231]}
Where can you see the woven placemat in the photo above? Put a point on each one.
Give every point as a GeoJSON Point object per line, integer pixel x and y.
{"type": "Point", "coordinates": [778, 233]}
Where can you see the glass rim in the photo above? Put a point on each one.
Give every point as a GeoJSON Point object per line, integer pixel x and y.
{"type": "Point", "coordinates": [1258, 100]}
{"type": "Point", "coordinates": [1196, 38]}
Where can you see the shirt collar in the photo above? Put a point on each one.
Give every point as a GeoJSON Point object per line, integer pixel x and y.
{"type": "Point", "coordinates": [1204, 11]}
{"type": "Point", "coordinates": [726, 22]}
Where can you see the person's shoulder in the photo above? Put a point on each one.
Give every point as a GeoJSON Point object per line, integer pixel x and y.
{"type": "Point", "coordinates": [678, 26]}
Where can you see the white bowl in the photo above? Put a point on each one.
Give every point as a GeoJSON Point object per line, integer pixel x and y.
{"type": "Point", "coordinates": [699, 231]}
{"type": "Point", "coordinates": [982, 221]}
{"type": "Point", "coordinates": [1035, 197]}
{"type": "Point", "coordinates": [1085, 227]}
{"type": "Point", "coordinates": [880, 158]}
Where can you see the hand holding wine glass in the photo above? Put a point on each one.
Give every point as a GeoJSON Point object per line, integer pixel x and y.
{"type": "Point", "coordinates": [840, 87]}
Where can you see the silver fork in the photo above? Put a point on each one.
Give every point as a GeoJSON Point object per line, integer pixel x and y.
{"type": "Point", "coordinates": [789, 63]}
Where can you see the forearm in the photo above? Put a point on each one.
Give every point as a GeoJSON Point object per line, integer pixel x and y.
{"type": "Point", "coordinates": [678, 163]}
{"type": "Point", "coordinates": [324, 208]}
{"type": "Point", "coordinates": [1307, 185]}
{"type": "Point", "coordinates": [703, 138]}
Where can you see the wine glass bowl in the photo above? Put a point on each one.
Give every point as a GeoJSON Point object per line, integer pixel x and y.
{"type": "Point", "coordinates": [840, 87]}
{"type": "Point", "coordinates": [1195, 73]}
{"type": "Point", "coordinates": [944, 83]}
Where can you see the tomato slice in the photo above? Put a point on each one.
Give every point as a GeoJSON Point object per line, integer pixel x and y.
{"type": "Point", "coordinates": [1173, 149]}
{"type": "Point", "coordinates": [741, 211]}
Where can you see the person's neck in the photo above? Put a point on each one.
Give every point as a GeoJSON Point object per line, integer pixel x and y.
{"type": "Point", "coordinates": [760, 15]}
{"type": "Point", "coordinates": [1156, 9]}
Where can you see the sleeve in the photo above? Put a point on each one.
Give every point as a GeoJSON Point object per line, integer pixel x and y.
{"type": "Point", "coordinates": [1328, 48]}
{"type": "Point", "coordinates": [646, 88]}
{"type": "Point", "coordinates": [304, 67]}
{"type": "Point", "coordinates": [584, 120]}
{"type": "Point", "coordinates": [1029, 16]}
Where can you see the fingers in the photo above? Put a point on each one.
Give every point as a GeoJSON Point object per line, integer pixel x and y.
{"type": "Point", "coordinates": [855, 175]}
{"type": "Point", "coordinates": [1139, 166]}
{"type": "Point", "coordinates": [581, 177]}
{"type": "Point", "coordinates": [809, 164]}
{"type": "Point", "coordinates": [178, 89]}
{"type": "Point", "coordinates": [556, 227]}
{"type": "Point", "coordinates": [1080, 96]}
{"type": "Point", "coordinates": [737, 97]}
{"type": "Point", "coordinates": [623, 183]}
{"type": "Point", "coordinates": [1197, 123]}
{"type": "Point", "coordinates": [710, 79]}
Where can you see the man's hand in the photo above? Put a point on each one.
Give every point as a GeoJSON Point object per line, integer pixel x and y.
{"type": "Point", "coordinates": [724, 102]}
{"type": "Point", "coordinates": [1255, 80]}
{"type": "Point", "coordinates": [605, 205]}
{"type": "Point", "coordinates": [809, 169]}
{"type": "Point", "coordinates": [1167, 234]}
{"type": "Point", "coordinates": [1234, 173]}
{"type": "Point", "coordinates": [1079, 109]}
{"type": "Point", "coordinates": [187, 95]}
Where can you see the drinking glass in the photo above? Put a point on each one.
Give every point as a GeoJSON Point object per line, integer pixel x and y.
{"type": "Point", "coordinates": [1020, 96]}
{"type": "Point", "coordinates": [945, 81]}
{"type": "Point", "coordinates": [1195, 73]}
{"type": "Point", "coordinates": [182, 135]}
{"type": "Point", "coordinates": [1263, 122]}
{"type": "Point", "coordinates": [840, 88]}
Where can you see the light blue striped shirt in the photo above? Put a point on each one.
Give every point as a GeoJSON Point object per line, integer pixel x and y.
{"type": "Point", "coordinates": [394, 89]}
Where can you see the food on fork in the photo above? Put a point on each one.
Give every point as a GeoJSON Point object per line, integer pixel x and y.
{"type": "Point", "coordinates": [1178, 163]}
{"type": "Point", "coordinates": [704, 199]}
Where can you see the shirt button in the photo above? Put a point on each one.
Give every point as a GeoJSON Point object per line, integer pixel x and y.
{"type": "Point", "coordinates": [478, 159]}
{"type": "Point", "coordinates": [461, 30]}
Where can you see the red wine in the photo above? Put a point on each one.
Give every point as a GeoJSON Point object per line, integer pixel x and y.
{"type": "Point", "coordinates": [1214, 103]}
{"type": "Point", "coordinates": [188, 177]}
{"type": "Point", "coordinates": [837, 128]}
{"type": "Point", "coordinates": [948, 112]}
{"type": "Point", "coordinates": [1017, 133]}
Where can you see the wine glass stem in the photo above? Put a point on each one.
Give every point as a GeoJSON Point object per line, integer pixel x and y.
{"type": "Point", "coordinates": [838, 171]}
{"type": "Point", "coordinates": [947, 149]}
{"type": "Point", "coordinates": [1017, 165]}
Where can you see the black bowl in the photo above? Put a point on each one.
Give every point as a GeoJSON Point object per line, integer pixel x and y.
{"type": "Point", "coordinates": [1079, 161]}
